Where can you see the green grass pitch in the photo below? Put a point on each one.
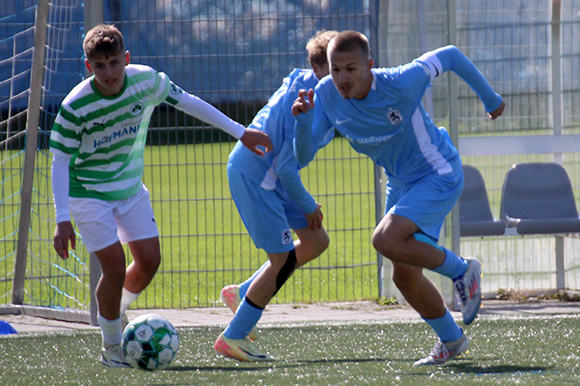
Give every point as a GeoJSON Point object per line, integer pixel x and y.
{"type": "Point", "coordinates": [203, 240]}
{"type": "Point", "coordinates": [518, 350]}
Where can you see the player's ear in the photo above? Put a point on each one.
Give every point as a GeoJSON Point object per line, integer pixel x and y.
{"type": "Point", "coordinates": [88, 66]}
{"type": "Point", "coordinates": [370, 63]}
{"type": "Point", "coordinates": [127, 57]}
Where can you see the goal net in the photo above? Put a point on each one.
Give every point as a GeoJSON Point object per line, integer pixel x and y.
{"type": "Point", "coordinates": [49, 284]}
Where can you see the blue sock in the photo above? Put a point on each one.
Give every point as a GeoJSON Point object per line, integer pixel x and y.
{"type": "Point", "coordinates": [445, 327]}
{"type": "Point", "coordinates": [245, 285]}
{"type": "Point", "coordinates": [246, 317]}
{"type": "Point", "coordinates": [453, 267]}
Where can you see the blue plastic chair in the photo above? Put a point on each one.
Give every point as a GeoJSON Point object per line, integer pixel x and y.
{"type": "Point", "coordinates": [475, 214]}
{"type": "Point", "coordinates": [537, 198]}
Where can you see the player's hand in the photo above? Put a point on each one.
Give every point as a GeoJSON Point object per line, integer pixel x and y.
{"type": "Point", "coordinates": [497, 112]}
{"type": "Point", "coordinates": [63, 232]}
{"type": "Point", "coordinates": [315, 218]}
{"type": "Point", "coordinates": [304, 102]}
{"type": "Point", "coordinates": [253, 138]}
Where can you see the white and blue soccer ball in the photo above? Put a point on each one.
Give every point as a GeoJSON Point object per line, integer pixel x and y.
{"type": "Point", "coordinates": [150, 342]}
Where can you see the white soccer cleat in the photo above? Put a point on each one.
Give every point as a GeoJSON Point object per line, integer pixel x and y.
{"type": "Point", "coordinates": [114, 357]}
{"type": "Point", "coordinates": [443, 351]}
{"type": "Point", "coordinates": [230, 297]}
{"type": "Point", "coordinates": [468, 290]}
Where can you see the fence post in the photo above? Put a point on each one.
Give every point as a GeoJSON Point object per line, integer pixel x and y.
{"type": "Point", "coordinates": [32, 121]}
{"type": "Point", "coordinates": [557, 121]}
{"type": "Point", "coordinates": [454, 134]}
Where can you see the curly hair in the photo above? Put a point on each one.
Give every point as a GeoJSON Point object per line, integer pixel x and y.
{"type": "Point", "coordinates": [317, 45]}
{"type": "Point", "coordinates": [103, 39]}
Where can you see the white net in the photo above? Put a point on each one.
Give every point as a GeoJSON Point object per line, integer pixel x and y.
{"type": "Point", "coordinates": [49, 281]}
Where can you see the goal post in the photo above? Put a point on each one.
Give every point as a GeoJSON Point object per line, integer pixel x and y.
{"type": "Point", "coordinates": [35, 48]}
{"type": "Point", "coordinates": [33, 119]}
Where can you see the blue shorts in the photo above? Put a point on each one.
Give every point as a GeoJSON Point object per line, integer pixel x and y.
{"type": "Point", "coordinates": [267, 214]}
{"type": "Point", "coordinates": [427, 201]}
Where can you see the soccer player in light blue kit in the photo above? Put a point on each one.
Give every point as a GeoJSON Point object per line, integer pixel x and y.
{"type": "Point", "coordinates": [272, 200]}
{"type": "Point", "coordinates": [379, 111]}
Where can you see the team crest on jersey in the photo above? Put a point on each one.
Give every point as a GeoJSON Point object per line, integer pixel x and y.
{"type": "Point", "coordinates": [394, 116]}
{"type": "Point", "coordinates": [137, 108]}
{"type": "Point", "coordinates": [286, 237]}
{"type": "Point", "coordinates": [174, 89]}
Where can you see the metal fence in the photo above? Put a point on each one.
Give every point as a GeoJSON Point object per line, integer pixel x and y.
{"type": "Point", "coordinates": [234, 54]}
{"type": "Point", "coordinates": [529, 52]}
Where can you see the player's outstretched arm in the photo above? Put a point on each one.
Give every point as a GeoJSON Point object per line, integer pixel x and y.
{"type": "Point", "coordinates": [253, 138]}
{"type": "Point", "coordinates": [204, 111]}
{"type": "Point", "coordinates": [451, 58]}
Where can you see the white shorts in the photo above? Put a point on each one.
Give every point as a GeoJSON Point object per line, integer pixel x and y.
{"type": "Point", "coordinates": [103, 223]}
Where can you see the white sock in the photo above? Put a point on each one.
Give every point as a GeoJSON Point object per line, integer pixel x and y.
{"type": "Point", "coordinates": [111, 331]}
{"type": "Point", "coordinates": [128, 298]}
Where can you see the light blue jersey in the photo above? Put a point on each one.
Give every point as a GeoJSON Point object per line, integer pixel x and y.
{"type": "Point", "coordinates": [267, 189]}
{"type": "Point", "coordinates": [278, 166]}
{"type": "Point", "coordinates": [391, 126]}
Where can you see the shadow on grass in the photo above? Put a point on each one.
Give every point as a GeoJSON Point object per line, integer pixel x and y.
{"type": "Point", "coordinates": [472, 368]}
{"type": "Point", "coordinates": [261, 366]}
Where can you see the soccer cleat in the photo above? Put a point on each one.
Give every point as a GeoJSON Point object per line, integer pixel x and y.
{"type": "Point", "coordinates": [240, 349]}
{"type": "Point", "coordinates": [468, 290]}
{"type": "Point", "coordinates": [230, 297]}
{"type": "Point", "coordinates": [114, 357]}
{"type": "Point", "coordinates": [443, 351]}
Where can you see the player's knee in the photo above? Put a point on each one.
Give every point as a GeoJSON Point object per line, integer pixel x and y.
{"type": "Point", "coordinates": [323, 242]}
{"type": "Point", "coordinates": [384, 244]}
{"type": "Point", "coordinates": [154, 262]}
{"type": "Point", "coordinates": [149, 263]}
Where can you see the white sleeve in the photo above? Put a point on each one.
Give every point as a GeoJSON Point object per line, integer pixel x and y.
{"type": "Point", "coordinates": [202, 110]}
{"type": "Point", "coordinates": [60, 186]}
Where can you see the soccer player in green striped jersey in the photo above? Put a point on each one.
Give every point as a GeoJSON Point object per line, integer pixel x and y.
{"type": "Point", "coordinates": [97, 142]}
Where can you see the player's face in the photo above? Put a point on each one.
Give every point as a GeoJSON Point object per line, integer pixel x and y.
{"type": "Point", "coordinates": [351, 73]}
{"type": "Point", "coordinates": [109, 72]}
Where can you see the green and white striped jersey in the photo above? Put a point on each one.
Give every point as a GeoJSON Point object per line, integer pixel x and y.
{"type": "Point", "coordinates": [105, 136]}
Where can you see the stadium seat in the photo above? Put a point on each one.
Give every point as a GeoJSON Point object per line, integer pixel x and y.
{"type": "Point", "coordinates": [537, 198]}
{"type": "Point", "coordinates": [476, 218]}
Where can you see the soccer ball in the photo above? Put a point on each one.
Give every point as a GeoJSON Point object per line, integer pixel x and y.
{"type": "Point", "coordinates": [150, 342]}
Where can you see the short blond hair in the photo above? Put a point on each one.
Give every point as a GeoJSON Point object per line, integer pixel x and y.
{"type": "Point", "coordinates": [317, 45]}
{"type": "Point", "coordinates": [103, 39]}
